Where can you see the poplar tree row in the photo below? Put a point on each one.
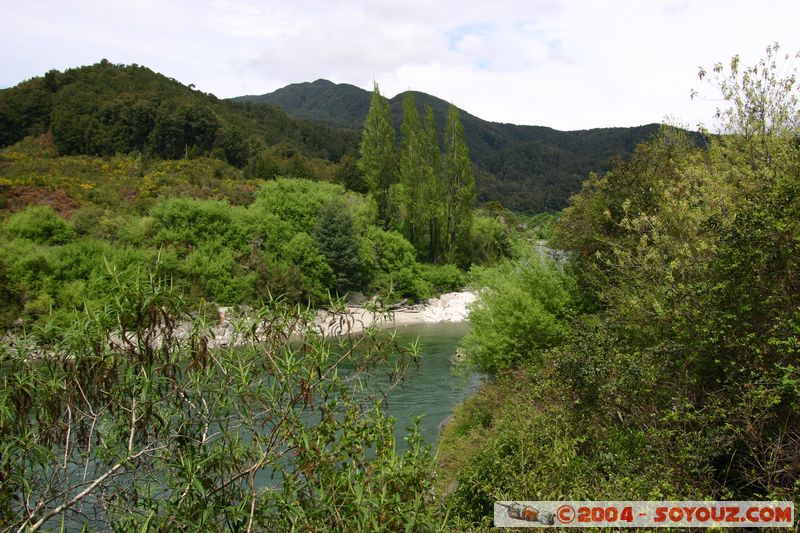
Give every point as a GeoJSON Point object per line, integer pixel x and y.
{"type": "Point", "coordinates": [425, 191]}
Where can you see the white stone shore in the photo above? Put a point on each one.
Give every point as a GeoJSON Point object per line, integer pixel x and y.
{"type": "Point", "coordinates": [449, 307]}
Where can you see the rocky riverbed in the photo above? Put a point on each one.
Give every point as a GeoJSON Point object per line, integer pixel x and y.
{"type": "Point", "coordinates": [449, 307]}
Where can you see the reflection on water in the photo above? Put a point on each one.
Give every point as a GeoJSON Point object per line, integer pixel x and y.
{"type": "Point", "coordinates": [433, 390]}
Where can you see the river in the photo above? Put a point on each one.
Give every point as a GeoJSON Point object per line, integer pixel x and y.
{"type": "Point", "coordinates": [433, 390]}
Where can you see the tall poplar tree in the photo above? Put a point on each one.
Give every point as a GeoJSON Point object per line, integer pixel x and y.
{"type": "Point", "coordinates": [378, 157]}
{"type": "Point", "coordinates": [412, 170]}
{"type": "Point", "coordinates": [433, 199]}
{"type": "Point", "coordinates": [459, 182]}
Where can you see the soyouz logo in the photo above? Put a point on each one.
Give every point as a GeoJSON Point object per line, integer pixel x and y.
{"type": "Point", "coordinates": [695, 514]}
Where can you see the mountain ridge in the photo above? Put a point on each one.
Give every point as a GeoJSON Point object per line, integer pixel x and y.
{"type": "Point", "coordinates": [525, 167]}
{"type": "Point", "coordinates": [275, 98]}
{"type": "Point", "coordinates": [305, 130]}
{"type": "Point", "coordinates": [312, 96]}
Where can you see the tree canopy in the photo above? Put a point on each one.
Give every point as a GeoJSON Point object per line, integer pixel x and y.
{"type": "Point", "coordinates": [106, 109]}
{"type": "Point", "coordinates": [433, 191]}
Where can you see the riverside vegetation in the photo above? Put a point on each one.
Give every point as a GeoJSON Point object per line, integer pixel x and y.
{"type": "Point", "coordinates": [660, 359]}
{"type": "Point", "coordinates": [656, 358]}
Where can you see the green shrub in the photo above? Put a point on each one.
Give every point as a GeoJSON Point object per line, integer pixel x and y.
{"type": "Point", "coordinates": [524, 309]}
{"type": "Point", "coordinates": [392, 259]}
{"type": "Point", "coordinates": [518, 435]}
{"type": "Point", "coordinates": [99, 223]}
{"type": "Point", "coordinates": [27, 267]}
{"type": "Point", "coordinates": [79, 260]}
{"type": "Point", "coordinates": [389, 251]}
{"type": "Point", "coordinates": [40, 224]}
{"type": "Point", "coordinates": [40, 306]}
{"type": "Point", "coordinates": [267, 231]}
{"type": "Point", "coordinates": [189, 222]}
{"type": "Point", "coordinates": [213, 272]}
{"type": "Point", "coordinates": [63, 277]}
{"type": "Point", "coordinates": [10, 305]}
{"type": "Point", "coordinates": [404, 283]}
{"type": "Point", "coordinates": [443, 278]}
{"type": "Point", "coordinates": [72, 294]}
{"type": "Point", "coordinates": [296, 201]}
{"type": "Point", "coordinates": [488, 241]}
{"type": "Point", "coordinates": [542, 225]}
{"type": "Point", "coordinates": [87, 220]}
{"type": "Point", "coordinates": [303, 253]}
{"type": "Point", "coordinates": [276, 279]}
{"type": "Point", "coordinates": [135, 231]}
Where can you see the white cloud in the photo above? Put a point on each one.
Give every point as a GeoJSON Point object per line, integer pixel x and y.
{"type": "Point", "coordinates": [566, 64]}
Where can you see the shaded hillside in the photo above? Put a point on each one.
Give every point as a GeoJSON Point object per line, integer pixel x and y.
{"type": "Point", "coordinates": [106, 109]}
{"type": "Point", "coordinates": [526, 168]}
{"type": "Point", "coordinates": [337, 105]}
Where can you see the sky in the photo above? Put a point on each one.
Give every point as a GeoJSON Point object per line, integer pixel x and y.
{"type": "Point", "coordinates": [567, 64]}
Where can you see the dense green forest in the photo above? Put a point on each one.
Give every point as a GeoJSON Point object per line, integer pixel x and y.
{"type": "Point", "coordinates": [106, 109]}
{"type": "Point", "coordinates": [659, 358]}
{"type": "Point", "coordinates": [525, 168]}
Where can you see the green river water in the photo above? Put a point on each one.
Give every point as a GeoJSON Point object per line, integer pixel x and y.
{"type": "Point", "coordinates": [433, 390]}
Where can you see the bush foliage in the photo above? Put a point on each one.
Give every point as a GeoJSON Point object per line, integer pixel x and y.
{"type": "Point", "coordinates": [679, 377]}
{"type": "Point", "coordinates": [138, 427]}
{"type": "Point", "coordinates": [299, 238]}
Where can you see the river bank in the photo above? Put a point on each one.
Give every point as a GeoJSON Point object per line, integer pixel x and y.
{"type": "Point", "coordinates": [449, 307]}
{"type": "Point", "coordinates": [230, 327]}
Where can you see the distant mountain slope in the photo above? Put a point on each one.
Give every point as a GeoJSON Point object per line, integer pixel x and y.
{"type": "Point", "coordinates": [526, 168]}
{"type": "Point", "coordinates": [337, 105]}
{"type": "Point", "coordinates": [105, 109]}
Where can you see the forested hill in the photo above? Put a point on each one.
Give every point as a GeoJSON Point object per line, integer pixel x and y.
{"type": "Point", "coordinates": [106, 109]}
{"type": "Point", "coordinates": [526, 168]}
{"type": "Point", "coordinates": [339, 105]}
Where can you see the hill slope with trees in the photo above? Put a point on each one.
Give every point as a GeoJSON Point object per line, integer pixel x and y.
{"type": "Point", "coordinates": [526, 168]}
{"type": "Point", "coordinates": [107, 109]}
{"type": "Point", "coordinates": [339, 105]}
